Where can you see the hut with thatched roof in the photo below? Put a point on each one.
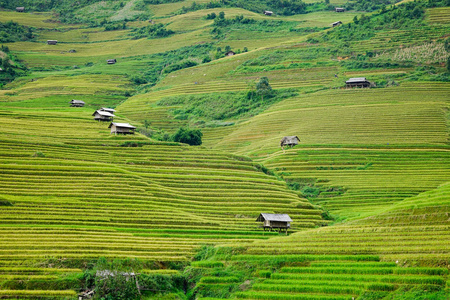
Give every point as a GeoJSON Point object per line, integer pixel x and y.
{"type": "Point", "coordinates": [121, 128]}
{"type": "Point", "coordinates": [289, 141]}
{"type": "Point", "coordinates": [274, 221]}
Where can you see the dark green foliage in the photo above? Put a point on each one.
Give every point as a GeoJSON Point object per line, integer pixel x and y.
{"type": "Point", "coordinates": [13, 32]}
{"type": "Point", "coordinates": [161, 1]}
{"type": "Point", "coordinates": [4, 202]}
{"type": "Point", "coordinates": [211, 16]}
{"type": "Point", "coordinates": [113, 280]}
{"type": "Point", "coordinates": [11, 67]}
{"type": "Point", "coordinates": [192, 137]}
{"type": "Point", "coordinates": [116, 26]}
{"type": "Point", "coordinates": [368, 5]}
{"type": "Point", "coordinates": [205, 252]}
{"type": "Point", "coordinates": [263, 87]}
{"type": "Point", "coordinates": [280, 7]}
{"type": "Point", "coordinates": [405, 16]}
{"type": "Point", "coordinates": [151, 31]}
{"type": "Point", "coordinates": [181, 65]}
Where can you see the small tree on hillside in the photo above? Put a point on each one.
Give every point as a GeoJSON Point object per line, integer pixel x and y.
{"type": "Point", "coordinates": [192, 137]}
{"type": "Point", "coordinates": [263, 87]}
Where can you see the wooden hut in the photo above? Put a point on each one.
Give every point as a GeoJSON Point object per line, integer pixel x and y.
{"type": "Point", "coordinates": [121, 128]}
{"type": "Point", "coordinates": [336, 23]}
{"type": "Point", "coordinates": [358, 82]}
{"type": "Point", "coordinates": [268, 12]}
{"type": "Point", "coordinates": [289, 141]}
{"type": "Point", "coordinates": [230, 53]}
{"type": "Point", "coordinates": [275, 221]}
{"type": "Point", "coordinates": [20, 9]}
{"type": "Point", "coordinates": [111, 61]}
{"type": "Point", "coordinates": [100, 115]}
{"type": "Point", "coordinates": [110, 110]}
{"type": "Point", "coordinates": [76, 103]}
{"type": "Point", "coordinates": [339, 9]}
{"type": "Point", "coordinates": [52, 42]}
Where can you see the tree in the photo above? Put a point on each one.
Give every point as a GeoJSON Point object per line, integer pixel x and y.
{"type": "Point", "coordinates": [188, 136]}
{"type": "Point", "coordinates": [263, 87]}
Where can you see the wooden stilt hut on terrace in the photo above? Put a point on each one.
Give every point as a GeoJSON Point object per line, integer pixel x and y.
{"type": "Point", "coordinates": [110, 110]}
{"type": "Point", "coordinates": [275, 221]}
{"type": "Point", "coordinates": [289, 141]}
{"type": "Point", "coordinates": [121, 128]}
{"type": "Point", "coordinates": [100, 115]}
{"type": "Point", "coordinates": [20, 9]}
{"type": "Point", "coordinates": [52, 42]}
{"type": "Point", "coordinates": [358, 82]}
{"type": "Point", "coordinates": [76, 103]}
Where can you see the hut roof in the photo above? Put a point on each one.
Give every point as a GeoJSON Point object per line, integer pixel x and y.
{"type": "Point", "coordinates": [356, 79]}
{"type": "Point", "coordinates": [274, 217]}
{"type": "Point", "coordinates": [103, 113]}
{"type": "Point", "coordinates": [123, 125]}
{"type": "Point", "coordinates": [76, 102]}
{"type": "Point", "coordinates": [337, 22]}
{"type": "Point", "coordinates": [108, 109]}
{"type": "Point", "coordinates": [20, 8]}
{"type": "Point", "coordinates": [268, 12]}
{"type": "Point", "coordinates": [293, 139]}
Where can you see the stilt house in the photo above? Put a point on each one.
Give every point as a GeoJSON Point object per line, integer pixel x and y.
{"type": "Point", "coordinates": [111, 61]}
{"type": "Point", "coordinates": [358, 82]}
{"type": "Point", "coordinates": [230, 53]}
{"type": "Point", "coordinates": [20, 9]}
{"type": "Point", "coordinates": [268, 12]}
{"type": "Point", "coordinates": [52, 42]}
{"type": "Point", "coordinates": [289, 141]}
{"type": "Point", "coordinates": [339, 9]}
{"type": "Point", "coordinates": [121, 128]}
{"type": "Point", "coordinates": [336, 23]}
{"type": "Point", "coordinates": [76, 103]}
{"type": "Point", "coordinates": [110, 110]}
{"type": "Point", "coordinates": [101, 115]}
{"type": "Point", "coordinates": [275, 221]}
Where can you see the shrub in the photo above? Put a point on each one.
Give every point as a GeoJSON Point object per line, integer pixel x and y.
{"type": "Point", "coordinates": [192, 137]}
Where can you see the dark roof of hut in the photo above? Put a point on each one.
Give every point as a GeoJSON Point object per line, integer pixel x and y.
{"type": "Point", "coordinates": [274, 217]}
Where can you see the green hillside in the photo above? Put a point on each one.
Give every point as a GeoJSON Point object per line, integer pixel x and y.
{"type": "Point", "coordinates": [88, 213]}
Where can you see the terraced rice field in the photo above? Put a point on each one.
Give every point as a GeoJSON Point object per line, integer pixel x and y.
{"type": "Point", "coordinates": [439, 15]}
{"type": "Point", "coordinates": [148, 202]}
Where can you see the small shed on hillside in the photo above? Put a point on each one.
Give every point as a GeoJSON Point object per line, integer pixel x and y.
{"type": "Point", "coordinates": [100, 115]}
{"type": "Point", "coordinates": [275, 221]}
{"type": "Point", "coordinates": [111, 61]}
{"type": "Point", "coordinates": [76, 103]}
{"type": "Point", "coordinates": [268, 12]}
{"type": "Point", "coordinates": [289, 141]}
{"type": "Point", "coordinates": [121, 128]}
{"type": "Point", "coordinates": [358, 82]}
{"type": "Point", "coordinates": [52, 42]}
{"type": "Point", "coordinates": [20, 9]}
{"type": "Point", "coordinates": [339, 9]}
{"type": "Point", "coordinates": [110, 110]}
{"type": "Point", "coordinates": [336, 23]}
{"type": "Point", "coordinates": [230, 53]}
